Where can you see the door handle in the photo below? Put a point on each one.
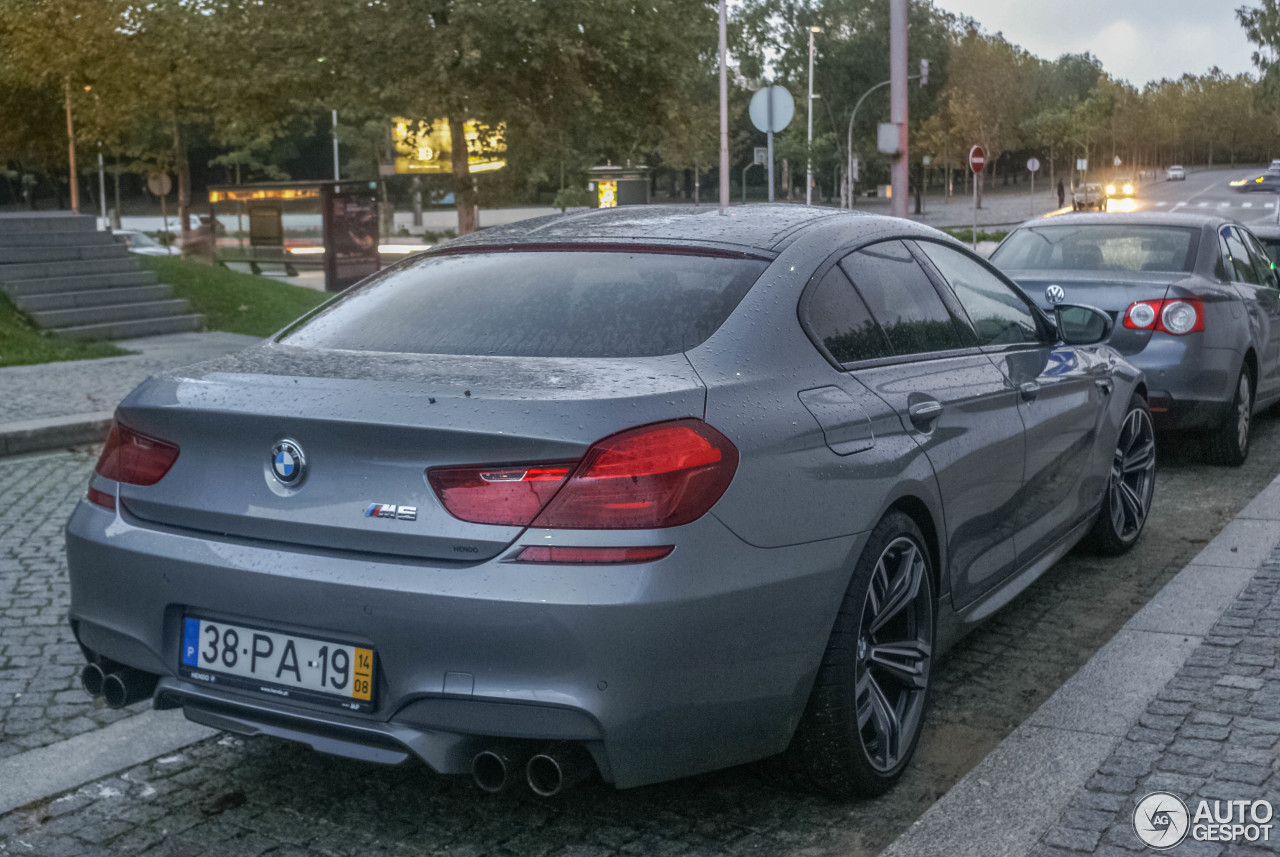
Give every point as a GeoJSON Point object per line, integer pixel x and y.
{"type": "Point", "coordinates": [923, 414]}
{"type": "Point", "coordinates": [1105, 385]}
{"type": "Point", "coordinates": [1029, 390]}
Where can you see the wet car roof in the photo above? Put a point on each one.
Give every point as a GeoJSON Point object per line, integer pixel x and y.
{"type": "Point", "coordinates": [763, 227]}
{"type": "Point", "coordinates": [1136, 219]}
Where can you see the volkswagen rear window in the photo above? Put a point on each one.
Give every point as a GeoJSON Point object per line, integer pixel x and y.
{"type": "Point", "coordinates": [552, 303]}
{"type": "Point", "coordinates": [1100, 247]}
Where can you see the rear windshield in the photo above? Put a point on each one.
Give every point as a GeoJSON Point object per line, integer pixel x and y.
{"type": "Point", "coordinates": [1102, 247]}
{"type": "Point", "coordinates": [536, 304]}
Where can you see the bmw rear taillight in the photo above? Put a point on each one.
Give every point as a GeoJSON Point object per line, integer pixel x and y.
{"type": "Point", "coordinates": [1177, 316]}
{"type": "Point", "coordinates": [135, 458]}
{"type": "Point", "coordinates": [660, 475]}
{"type": "Point", "coordinates": [498, 495]}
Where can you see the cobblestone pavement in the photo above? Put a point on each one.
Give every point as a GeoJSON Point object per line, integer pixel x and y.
{"type": "Point", "coordinates": [1212, 733]}
{"type": "Point", "coordinates": [88, 386]}
{"type": "Point", "coordinates": [228, 796]}
{"type": "Point", "coordinates": [40, 697]}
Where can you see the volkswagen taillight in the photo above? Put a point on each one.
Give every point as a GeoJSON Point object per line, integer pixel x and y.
{"type": "Point", "coordinates": [1178, 316]}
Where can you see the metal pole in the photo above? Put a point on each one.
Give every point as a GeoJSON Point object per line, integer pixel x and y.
{"type": "Point", "coordinates": [102, 185]}
{"type": "Point", "coordinates": [973, 236]}
{"type": "Point", "coordinates": [337, 175]}
{"type": "Point", "coordinates": [808, 181]}
{"type": "Point", "coordinates": [769, 136]}
{"type": "Point", "coordinates": [1033, 194]}
{"type": "Point", "coordinates": [71, 144]}
{"type": "Point", "coordinates": [724, 118]}
{"type": "Point", "coordinates": [851, 117]}
{"type": "Point", "coordinates": [898, 103]}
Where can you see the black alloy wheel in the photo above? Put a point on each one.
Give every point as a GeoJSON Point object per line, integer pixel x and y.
{"type": "Point", "coordinates": [1131, 483]}
{"type": "Point", "coordinates": [866, 710]}
{"type": "Point", "coordinates": [895, 644]}
{"type": "Point", "coordinates": [1228, 441]}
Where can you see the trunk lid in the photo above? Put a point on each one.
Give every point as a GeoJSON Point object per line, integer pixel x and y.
{"type": "Point", "coordinates": [369, 426]}
{"type": "Point", "coordinates": [1102, 290]}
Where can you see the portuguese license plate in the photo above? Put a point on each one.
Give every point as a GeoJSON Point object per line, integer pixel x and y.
{"type": "Point", "coordinates": [277, 664]}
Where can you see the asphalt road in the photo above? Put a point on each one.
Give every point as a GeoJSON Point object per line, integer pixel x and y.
{"type": "Point", "coordinates": [1204, 192]}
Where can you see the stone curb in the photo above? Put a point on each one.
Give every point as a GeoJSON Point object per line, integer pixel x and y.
{"type": "Point", "coordinates": [57, 768]}
{"type": "Point", "coordinates": [53, 433]}
{"type": "Point", "coordinates": [1018, 792]}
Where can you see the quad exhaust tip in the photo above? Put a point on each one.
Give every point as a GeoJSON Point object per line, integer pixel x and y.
{"type": "Point", "coordinates": [557, 768]}
{"type": "Point", "coordinates": [92, 678]}
{"type": "Point", "coordinates": [118, 685]}
{"type": "Point", "coordinates": [498, 767]}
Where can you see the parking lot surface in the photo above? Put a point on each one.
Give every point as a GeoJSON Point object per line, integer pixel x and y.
{"type": "Point", "coordinates": [231, 796]}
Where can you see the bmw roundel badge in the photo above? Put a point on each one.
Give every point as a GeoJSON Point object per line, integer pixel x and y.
{"type": "Point", "coordinates": [287, 462]}
{"type": "Point", "coordinates": [1055, 294]}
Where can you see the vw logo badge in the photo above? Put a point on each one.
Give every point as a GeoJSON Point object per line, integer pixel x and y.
{"type": "Point", "coordinates": [287, 462]}
{"type": "Point", "coordinates": [1055, 294]}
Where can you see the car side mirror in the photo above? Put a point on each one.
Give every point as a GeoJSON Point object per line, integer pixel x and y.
{"type": "Point", "coordinates": [1082, 325]}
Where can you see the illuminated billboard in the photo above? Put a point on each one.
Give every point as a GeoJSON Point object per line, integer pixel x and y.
{"type": "Point", "coordinates": [608, 194]}
{"type": "Point", "coordinates": [425, 146]}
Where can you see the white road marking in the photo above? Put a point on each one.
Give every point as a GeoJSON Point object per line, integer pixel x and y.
{"type": "Point", "coordinates": [1222, 205]}
{"type": "Point", "coordinates": [1202, 205]}
{"type": "Point", "coordinates": [1161, 204]}
{"type": "Point", "coordinates": [1271, 205]}
{"type": "Point", "coordinates": [1246, 205]}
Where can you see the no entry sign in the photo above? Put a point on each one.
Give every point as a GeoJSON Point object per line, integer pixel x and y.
{"type": "Point", "coordinates": [977, 159]}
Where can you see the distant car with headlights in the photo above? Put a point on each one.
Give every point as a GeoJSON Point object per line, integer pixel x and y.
{"type": "Point", "coordinates": [1196, 305]}
{"type": "Point", "coordinates": [1087, 196]}
{"type": "Point", "coordinates": [1175, 173]}
{"type": "Point", "coordinates": [1268, 182]}
{"type": "Point", "coordinates": [1121, 189]}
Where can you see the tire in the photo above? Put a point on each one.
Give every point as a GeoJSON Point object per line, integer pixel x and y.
{"type": "Point", "coordinates": [1228, 441]}
{"type": "Point", "coordinates": [1126, 502]}
{"type": "Point", "coordinates": [877, 662]}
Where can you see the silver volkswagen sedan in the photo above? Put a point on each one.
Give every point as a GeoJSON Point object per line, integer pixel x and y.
{"type": "Point", "coordinates": [638, 493]}
{"type": "Point", "coordinates": [1196, 304]}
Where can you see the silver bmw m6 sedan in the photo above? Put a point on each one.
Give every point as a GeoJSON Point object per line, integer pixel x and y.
{"type": "Point", "coordinates": [639, 493]}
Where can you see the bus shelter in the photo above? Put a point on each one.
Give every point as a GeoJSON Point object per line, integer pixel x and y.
{"type": "Point", "coordinates": [348, 226]}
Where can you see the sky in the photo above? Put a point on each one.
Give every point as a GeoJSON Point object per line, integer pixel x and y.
{"type": "Point", "coordinates": [1136, 40]}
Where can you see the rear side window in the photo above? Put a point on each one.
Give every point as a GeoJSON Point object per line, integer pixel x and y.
{"type": "Point", "coordinates": [999, 316]}
{"type": "Point", "coordinates": [902, 299]}
{"type": "Point", "coordinates": [537, 304]}
{"type": "Point", "coordinates": [839, 318]}
{"type": "Point", "coordinates": [1238, 259]}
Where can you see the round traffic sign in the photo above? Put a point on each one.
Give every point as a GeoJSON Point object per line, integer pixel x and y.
{"type": "Point", "coordinates": [1033, 165]}
{"type": "Point", "coordinates": [977, 159]}
{"type": "Point", "coordinates": [159, 183]}
{"type": "Point", "coordinates": [784, 108]}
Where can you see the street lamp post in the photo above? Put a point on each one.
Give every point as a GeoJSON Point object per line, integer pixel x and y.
{"type": "Point", "coordinates": [71, 144]}
{"type": "Point", "coordinates": [808, 181]}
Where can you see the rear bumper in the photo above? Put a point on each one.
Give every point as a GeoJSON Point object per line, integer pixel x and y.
{"type": "Point", "coordinates": [1189, 386]}
{"type": "Point", "coordinates": [699, 661]}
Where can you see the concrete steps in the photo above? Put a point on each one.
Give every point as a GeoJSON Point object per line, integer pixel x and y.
{"type": "Point", "coordinates": [63, 318]}
{"type": "Point", "coordinates": [79, 283]}
{"type": "Point", "coordinates": [134, 329]}
{"type": "Point", "coordinates": [93, 297]}
{"type": "Point", "coordinates": [83, 283]}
